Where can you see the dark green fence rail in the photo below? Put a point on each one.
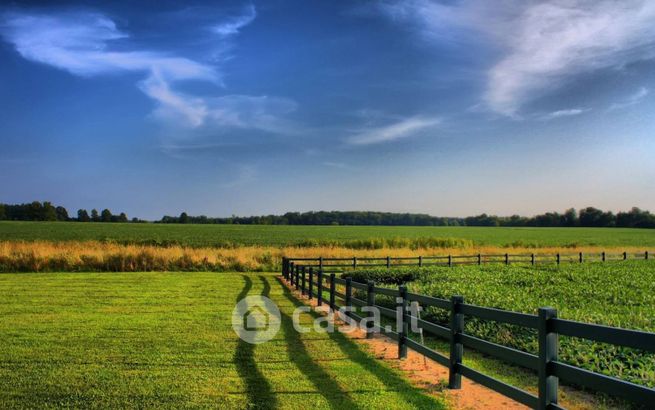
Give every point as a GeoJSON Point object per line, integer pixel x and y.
{"type": "Point", "coordinates": [477, 259]}
{"type": "Point", "coordinates": [548, 326]}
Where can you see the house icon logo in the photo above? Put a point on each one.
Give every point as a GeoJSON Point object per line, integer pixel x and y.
{"type": "Point", "coordinates": [256, 319]}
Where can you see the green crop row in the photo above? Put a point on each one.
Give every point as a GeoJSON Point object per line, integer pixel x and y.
{"type": "Point", "coordinates": [620, 294]}
{"type": "Point", "coordinates": [355, 237]}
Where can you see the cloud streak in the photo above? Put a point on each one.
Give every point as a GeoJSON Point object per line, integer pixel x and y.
{"type": "Point", "coordinates": [83, 44]}
{"type": "Point", "coordinates": [398, 130]}
{"type": "Point", "coordinates": [564, 113]}
{"type": "Point", "coordinates": [541, 44]}
{"type": "Point", "coordinates": [633, 99]}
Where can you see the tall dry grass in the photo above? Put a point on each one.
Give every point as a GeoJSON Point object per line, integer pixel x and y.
{"type": "Point", "coordinates": [97, 256]}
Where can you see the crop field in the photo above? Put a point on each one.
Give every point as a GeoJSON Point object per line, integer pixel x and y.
{"type": "Point", "coordinates": [164, 340]}
{"type": "Point", "coordinates": [365, 237]}
{"type": "Point", "coordinates": [615, 294]}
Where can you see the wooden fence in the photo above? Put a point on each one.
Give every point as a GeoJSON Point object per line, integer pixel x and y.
{"type": "Point", "coordinates": [477, 259]}
{"type": "Point", "coordinates": [317, 282]}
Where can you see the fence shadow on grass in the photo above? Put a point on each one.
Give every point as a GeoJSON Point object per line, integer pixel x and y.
{"type": "Point", "coordinates": [258, 389]}
{"type": "Point", "coordinates": [388, 377]}
{"type": "Point", "coordinates": [324, 383]}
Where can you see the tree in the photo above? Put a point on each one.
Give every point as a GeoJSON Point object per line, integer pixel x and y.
{"type": "Point", "coordinates": [105, 215]}
{"type": "Point", "coordinates": [570, 217]}
{"type": "Point", "coordinates": [82, 215]}
{"type": "Point", "coordinates": [94, 215]}
{"type": "Point", "coordinates": [3, 213]}
{"type": "Point", "coordinates": [122, 217]}
{"type": "Point", "coordinates": [184, 218]}
{"type": "Point", "coordinates": [62, 213]}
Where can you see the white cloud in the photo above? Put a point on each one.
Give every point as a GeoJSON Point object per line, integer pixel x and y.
{"type": "Point", "coordinates": [542, 44]}
{"type": "Point", "coordinates": [81, 44]}
{"type": "Point", "coordinates": [632, 99]}
{"type": "Point", "coordinates": [233, 25]}
{"type": "Point", "coordinates": [401, 129]}
{"type": "Point", "coordinates": [564, 113]}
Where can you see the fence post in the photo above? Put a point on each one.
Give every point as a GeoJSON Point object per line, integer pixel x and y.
{"type": "Point", "coordinates": [450, 260]}
{"type": "Point", "coordinates": [303, 289]}
{"type": "Point", "coordinates": [420, 261]}
{"type": "Point", "coordinates": [532, 259]}
{"type": "Point", "coordinates": [311, 282]}
{"type": "Point", "coordinates": [456, 347]}
{"type": "Point", "coordinates": [291, 268]}
{"type": "Point", "coordinates": [646, 255]}
{"type": "Point", "coordinates": [354, 262]}
{"type": "Point", "coordinates": [332, 289]}
{"type": "Point", "coordinates": [401, 308]}
{"type": "Point", "coordinates": [625, 256]}
{"type": "Point", "coordinates": [580, 257]}
{"type": "Point", "coordinates": [548, 346]}
{"type": "Point", "coordinates": [297, 277]}
{"type": "Point", "coordinates": [370, 302]}
{"type": "Point", "coordinates": [602, 255]}
{"type": "Point", "coordinates": [285, 266]}
{"type": "Point", "coordinates": [507, 259]}
{"type": "Point", "coordinates": [479, 259]}
{"type": "Point", "coordinates": [319, 288]}
{"type": "Point", "coordinates": [320, 263]}
{"type": "Point", "coordinates": [349, 294]}
{"type": "Point", "coordinates": [558, 258]}
{"type": "Point", "coordinates": [388, 261]}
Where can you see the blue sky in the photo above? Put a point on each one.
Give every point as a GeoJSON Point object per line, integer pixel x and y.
{"type": "Point", "coordinates": [450, 108]}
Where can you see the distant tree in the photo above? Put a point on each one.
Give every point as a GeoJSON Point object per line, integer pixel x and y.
{"type": "Point", "coordinates": [593, 217]}
{"type": "Point", "coordinates": [3, 213]}
{"type": "Point", "coordinates": [570, 218]}
{"type": "Point", "coordinates": [122, 217]}
{"type": "Point", "coordinates": [184, 218]}
{"type": "Point", "coordinates": [105, 215]}
{"type": "Point", "coordinates": [62, 213]}
{"type": "Point", "coordinates": [48, 212]}
{"type": "Point", "coordinates": [83, 215]}
{"type": "Point", "coordinates": [94, 215]}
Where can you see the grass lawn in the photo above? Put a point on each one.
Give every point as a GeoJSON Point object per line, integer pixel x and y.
{"type": "Point", "coordinates": [282, 235]}
{"type": "Point", "coordinates": [164, 340]}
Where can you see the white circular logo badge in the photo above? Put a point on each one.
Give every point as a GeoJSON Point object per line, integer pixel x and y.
{"type": "Point", "coordinates": [256, 319]}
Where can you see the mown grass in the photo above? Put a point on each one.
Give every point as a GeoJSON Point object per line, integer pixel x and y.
{"type": "Point", "coordinates": [164, 340]}
{"type": "Point", "coordinates": [353, 237]}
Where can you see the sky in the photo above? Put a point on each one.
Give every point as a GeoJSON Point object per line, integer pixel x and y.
{"type": "Point", "coordinates": [450, 108]}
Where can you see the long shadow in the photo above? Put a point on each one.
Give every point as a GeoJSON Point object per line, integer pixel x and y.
{"type": "Point", "coordinates": [321, 379]}
{"type": "Point", "coordinates": [384, 374]}
{"type": "Point", "coordinates": [258, 389]}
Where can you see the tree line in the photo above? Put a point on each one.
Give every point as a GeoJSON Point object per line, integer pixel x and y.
{"type": "Point", "coordinates": [586, 217]}
{"type": "Point", "coordinates": [46, 211]}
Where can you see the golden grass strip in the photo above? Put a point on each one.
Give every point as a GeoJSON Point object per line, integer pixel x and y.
{"type": "Point", "coordinates": [42, 256]}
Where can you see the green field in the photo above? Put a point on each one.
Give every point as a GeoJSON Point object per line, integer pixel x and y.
{"type": "Point", "coordinates": [620, 294]}
{"type": "Point", "coordinates": [267, 235]}
{"type": "Point", "coordinates": [164, 340]}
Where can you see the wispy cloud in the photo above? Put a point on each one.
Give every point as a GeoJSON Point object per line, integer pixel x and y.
{"type": "Point", "coordinates": [339, 165]}
{"type": "Point", "coordinates": [633, 99]}
{"type": "Point", "coordinates": [563, 113]}
{"type": "Point", "coordinates": [83, 44]}
{"type": "Point", "coordinates": [541, 44]}
{"type": "Point", "coordinates": [400, 129]}
{"type": "Point", "coordinates": [234, 24]}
